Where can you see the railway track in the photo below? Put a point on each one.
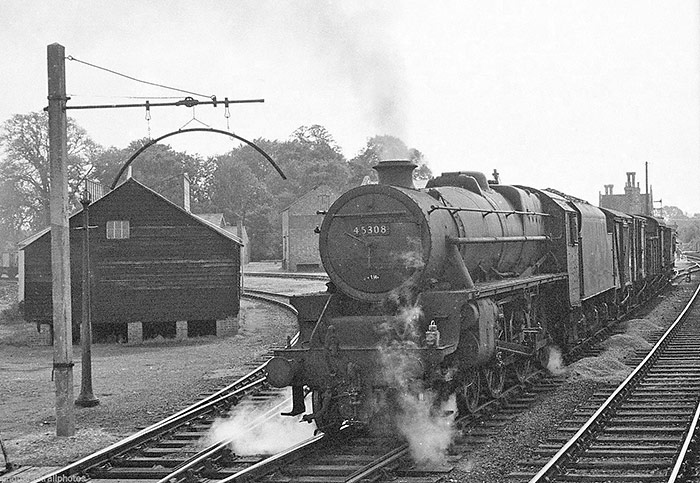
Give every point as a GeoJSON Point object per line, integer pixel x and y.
{"type": "Point", "coordinates": [643, 430]}
{"type": "Point", "coordinates": [171, 451]}
{"type": "Point", "coordinates": [354, 455]}
{"type": "Point", "coordinates": [347, 457]}
{"type": "Point", "coordinates": [173, 446]}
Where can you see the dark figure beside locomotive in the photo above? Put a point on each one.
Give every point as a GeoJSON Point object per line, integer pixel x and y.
{"type": "Point", "coordinates": [496, 275]}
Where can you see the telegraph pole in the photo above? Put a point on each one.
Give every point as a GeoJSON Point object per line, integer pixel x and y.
{"type": "Point", "coordinates": [60, 242]}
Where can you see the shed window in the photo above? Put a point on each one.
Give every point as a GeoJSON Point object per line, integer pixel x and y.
{"type": "Point", "coordinates": [324, 202]}
{"type": "Point", "coordinates": [117, 230]}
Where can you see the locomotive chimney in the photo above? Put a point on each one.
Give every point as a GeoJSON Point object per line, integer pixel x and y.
{"type": "Point", "coordinates": [396, 172]}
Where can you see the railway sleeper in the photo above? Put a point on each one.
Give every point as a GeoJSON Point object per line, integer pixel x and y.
{"type": "Point", "coordinates": [155, 452]}
{"type": "Point", "coordinates": [614, 462]}
{"type": "Point", "coordinates": [130, 473]}
{"type": "Point", "coordinates": [636, 419]}
{"type": "Point", "coordinates": [611, 478]}
{"type": "Point", "coordinates": [611, 451]}
{"type": "Point", "coordinates": [621, 464]}
{"type": "Point", "coordinates": [321, 470]}
{"type": "Point", "coordinates": [617, 438]}
{"type": "Point", "coordinates": [146, 462]}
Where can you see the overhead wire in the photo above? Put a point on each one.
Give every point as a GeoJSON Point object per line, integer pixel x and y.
{"type": "Point", "coordinates": [227, 113]}
{"type": "Point", "coordinates": [70, 57]}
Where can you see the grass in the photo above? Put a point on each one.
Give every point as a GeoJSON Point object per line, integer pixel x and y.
{"type": "Point", "coordinates": [15, 331]}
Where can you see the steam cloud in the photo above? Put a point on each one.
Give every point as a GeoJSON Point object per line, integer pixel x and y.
{"type": "Point", "coordinates": [429, 433]}
{"type": "Point", "coordinates": [258, 431]}
{"type": "Point", "coordinates": [425, 425]}
{"type": "Point", "coordinates": [555, 363]}
{"type": "Point", "coordinates": [411, 258]}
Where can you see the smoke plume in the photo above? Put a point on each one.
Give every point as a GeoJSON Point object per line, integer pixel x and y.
{"type": "Point", "coordinates": [359, 48]}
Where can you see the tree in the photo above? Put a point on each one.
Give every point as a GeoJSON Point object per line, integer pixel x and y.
{"type": "Point", "coordinates": [689, 232]}
{"type": "Point", "coordinates": [237, 187]}
{"type": "Point", "coordinates": [310, 158]}
{"type": "Point", "coordinates": [159, 167]}
{"type": "Point", "coordinates": [245, 185]}
{"type": "Point", "coordinates": [422, 172]}
{"type": "Point", "coordinates": [236, 190]}
{"type": "Point", "coordinates": [15, 214]}
{"type": "Point", "coordinates": [25, 139]}
{"type": "Point", "coordinates": [671, 212]}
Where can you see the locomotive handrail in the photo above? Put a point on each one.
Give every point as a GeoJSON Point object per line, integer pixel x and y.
{"type": "Point", "coordinates": [452, 209]}
{"type": "Point", "coordinates": [372, 213]}
{"type": "Point", "coordinates": [495, 239]}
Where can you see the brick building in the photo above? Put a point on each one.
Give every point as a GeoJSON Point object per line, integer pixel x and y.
{"type": "Point", "coordinates": [633, 201]}
{"type": "Point", "coordinates": [299, 220]}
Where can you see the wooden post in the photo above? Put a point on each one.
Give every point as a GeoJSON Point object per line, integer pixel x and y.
{"type": "Point", "coordinates": [60, 242]}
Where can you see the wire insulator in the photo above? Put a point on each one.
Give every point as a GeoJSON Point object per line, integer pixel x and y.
{"type": "Point", "coordinates": [227, 114]}
{"type": "Point", "coordinates": [148, 118]}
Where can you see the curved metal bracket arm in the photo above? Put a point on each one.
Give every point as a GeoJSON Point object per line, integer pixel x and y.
{"type": "Point", "coordinates": [196, 129]}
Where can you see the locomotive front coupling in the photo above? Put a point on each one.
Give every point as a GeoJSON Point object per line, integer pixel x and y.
{"type": "Point", "coordinates": [358, 358]}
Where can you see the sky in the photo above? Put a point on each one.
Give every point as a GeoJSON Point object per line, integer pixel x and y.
{"type": "Point", "coordinates": [563, 94]}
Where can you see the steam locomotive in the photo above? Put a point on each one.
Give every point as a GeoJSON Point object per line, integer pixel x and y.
{"type": "Point", "coordinates": [473, 280]}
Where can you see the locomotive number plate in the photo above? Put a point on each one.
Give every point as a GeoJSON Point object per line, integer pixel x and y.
{"type": "Point", "coordinates": [381, 229]}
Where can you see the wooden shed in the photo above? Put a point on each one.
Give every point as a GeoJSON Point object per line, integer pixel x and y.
{"type": "Point", "coordinates": [219, 220]}
{"type": "Point", "coordinates": [152, 263]}
{"type": "Point", "coordinates": [299, 220]}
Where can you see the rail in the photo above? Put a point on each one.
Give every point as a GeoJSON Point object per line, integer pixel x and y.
{"type": "Point", "coordinates": [270, 297]}
{"type": "Point", "coordinates": [378, 464]}
{"type": "Point", "coordinates": [183, 471]}
{"type": "Point", "coordinates": [275, 461]}
{"type": "Point", "coordinates": [232, 392]}
{"type": "Point", "coordinates": [130, 442]}
{"type": "Point", "coordinates": [582, 437]}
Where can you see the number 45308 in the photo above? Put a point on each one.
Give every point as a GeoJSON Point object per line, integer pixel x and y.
{"type": "Point", "coordinates": [370, 230]}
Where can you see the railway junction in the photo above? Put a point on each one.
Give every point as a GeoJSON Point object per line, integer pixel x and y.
{"type": "Point", "coordinates": [511, 439]}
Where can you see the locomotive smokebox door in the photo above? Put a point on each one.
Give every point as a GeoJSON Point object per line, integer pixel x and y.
{"type": "Point", "coordinates": [376, 240]}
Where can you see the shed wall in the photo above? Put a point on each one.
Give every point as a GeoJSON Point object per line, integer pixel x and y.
{"type": "Point", "coordinates": [170, 268]}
